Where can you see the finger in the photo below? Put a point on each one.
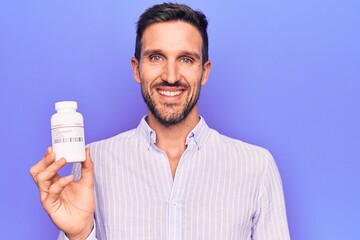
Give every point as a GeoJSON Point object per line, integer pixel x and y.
{"type": "Point", "coordinates": [87, 170]}
{"type": "Point", "coordinates": [48, 151]}
{"type": "Point", "coordinates": [53, 194]}
{"type": "Point", "coordinates": [49, 175]}
{"type": "Point", "coordinates": [48, 159]}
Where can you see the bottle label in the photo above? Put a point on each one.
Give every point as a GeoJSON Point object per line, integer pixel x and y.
{"type": "Point", "coordinates": [67, 134]}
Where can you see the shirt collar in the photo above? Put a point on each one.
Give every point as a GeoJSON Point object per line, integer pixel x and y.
{"type": "Point", "coordinates": [196, 136]}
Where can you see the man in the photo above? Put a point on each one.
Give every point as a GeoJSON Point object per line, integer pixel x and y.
{"type": "Point", "coordinates": [172, 177]}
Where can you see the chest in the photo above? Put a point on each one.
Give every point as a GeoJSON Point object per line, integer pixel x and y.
{"type": "Point", "coordinates": [211, 195]}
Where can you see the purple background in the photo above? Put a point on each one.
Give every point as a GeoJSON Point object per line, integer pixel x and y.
{"type": "Point", "coordinates": [286, 76]}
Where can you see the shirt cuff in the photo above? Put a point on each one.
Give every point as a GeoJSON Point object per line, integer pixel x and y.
{"type": "Point", "coordinates": [92, 236]}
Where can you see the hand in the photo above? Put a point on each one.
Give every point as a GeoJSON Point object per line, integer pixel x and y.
{"type": "Point", "coordinates": [69, 204]}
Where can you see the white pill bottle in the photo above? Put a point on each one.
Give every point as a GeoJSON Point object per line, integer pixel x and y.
{"type": "Point", "coordinates": [67, 132]}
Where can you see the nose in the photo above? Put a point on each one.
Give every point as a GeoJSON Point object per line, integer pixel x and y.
{"type": "Point", "coordinates": [171, 72]}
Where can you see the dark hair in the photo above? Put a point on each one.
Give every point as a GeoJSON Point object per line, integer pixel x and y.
{"type": "Point", "coordinates": [166, 12]}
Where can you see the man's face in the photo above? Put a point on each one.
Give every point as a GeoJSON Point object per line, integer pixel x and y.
{"type": "Point", "coordinates": [170, 70]}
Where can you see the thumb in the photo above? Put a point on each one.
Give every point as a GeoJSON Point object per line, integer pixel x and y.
{"type": "Point", "coordinates": [87, 170]}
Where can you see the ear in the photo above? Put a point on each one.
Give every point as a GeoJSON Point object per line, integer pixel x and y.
{"type": "Point", "coordinates": [135, 67]}
{"type": "Point", "coordinates": [206, 72]}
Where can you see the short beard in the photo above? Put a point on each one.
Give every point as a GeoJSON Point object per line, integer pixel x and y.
{"type": "Point", "coordinates": [171, 121]}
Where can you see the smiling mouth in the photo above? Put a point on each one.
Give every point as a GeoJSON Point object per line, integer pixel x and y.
{"type": "Point", "coordinates": [170, 93]}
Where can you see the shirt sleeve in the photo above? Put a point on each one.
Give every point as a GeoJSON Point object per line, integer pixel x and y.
{"type": "Point", "coordinates": [92, 236]}
{"type": "Point", "coordinates": [270, 221]}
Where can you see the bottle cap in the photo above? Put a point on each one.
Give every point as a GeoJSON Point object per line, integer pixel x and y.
{"type": "Point", "coordinates": [66, 105]}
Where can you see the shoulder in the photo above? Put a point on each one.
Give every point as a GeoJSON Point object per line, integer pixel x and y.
{"type": "Point", "coordinates": [235, 149]}
{"type": "Point", "coordinates": [217, 138]}
{"type": "Point", "coordinates": [115, 140]}
{"type": "Point", "coordinates": [101, 150]}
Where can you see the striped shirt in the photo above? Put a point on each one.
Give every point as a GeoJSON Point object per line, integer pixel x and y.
{"type": "Point", "coordinates": [223, 189]}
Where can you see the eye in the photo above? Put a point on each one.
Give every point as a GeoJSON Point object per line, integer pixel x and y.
{"type": "Point", "coordinates": [155, 58]}
{"type": "Point", "coordinates": [186, 60]}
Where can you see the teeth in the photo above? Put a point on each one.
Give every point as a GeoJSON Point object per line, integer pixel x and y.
{"type": "Point", "coordinates": [170, 93]}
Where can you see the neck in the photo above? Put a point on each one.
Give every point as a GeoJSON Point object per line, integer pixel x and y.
{"type": "Point", "coordinates": [173, 137]}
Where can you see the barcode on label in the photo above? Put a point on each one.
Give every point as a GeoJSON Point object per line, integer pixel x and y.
{"type": "Point", "coordinates": [68, 140]}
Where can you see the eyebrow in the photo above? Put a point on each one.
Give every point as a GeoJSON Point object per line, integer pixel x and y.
{"type": "Point", "coordinates": [159, 51]}
{"type": "Point", "coordinates": [152, 51]}
{"type": "Point", "coordinates": [192, 54]}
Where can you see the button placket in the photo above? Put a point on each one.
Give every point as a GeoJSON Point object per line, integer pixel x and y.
{"type": "Point", "coordinates": [175, 201]}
